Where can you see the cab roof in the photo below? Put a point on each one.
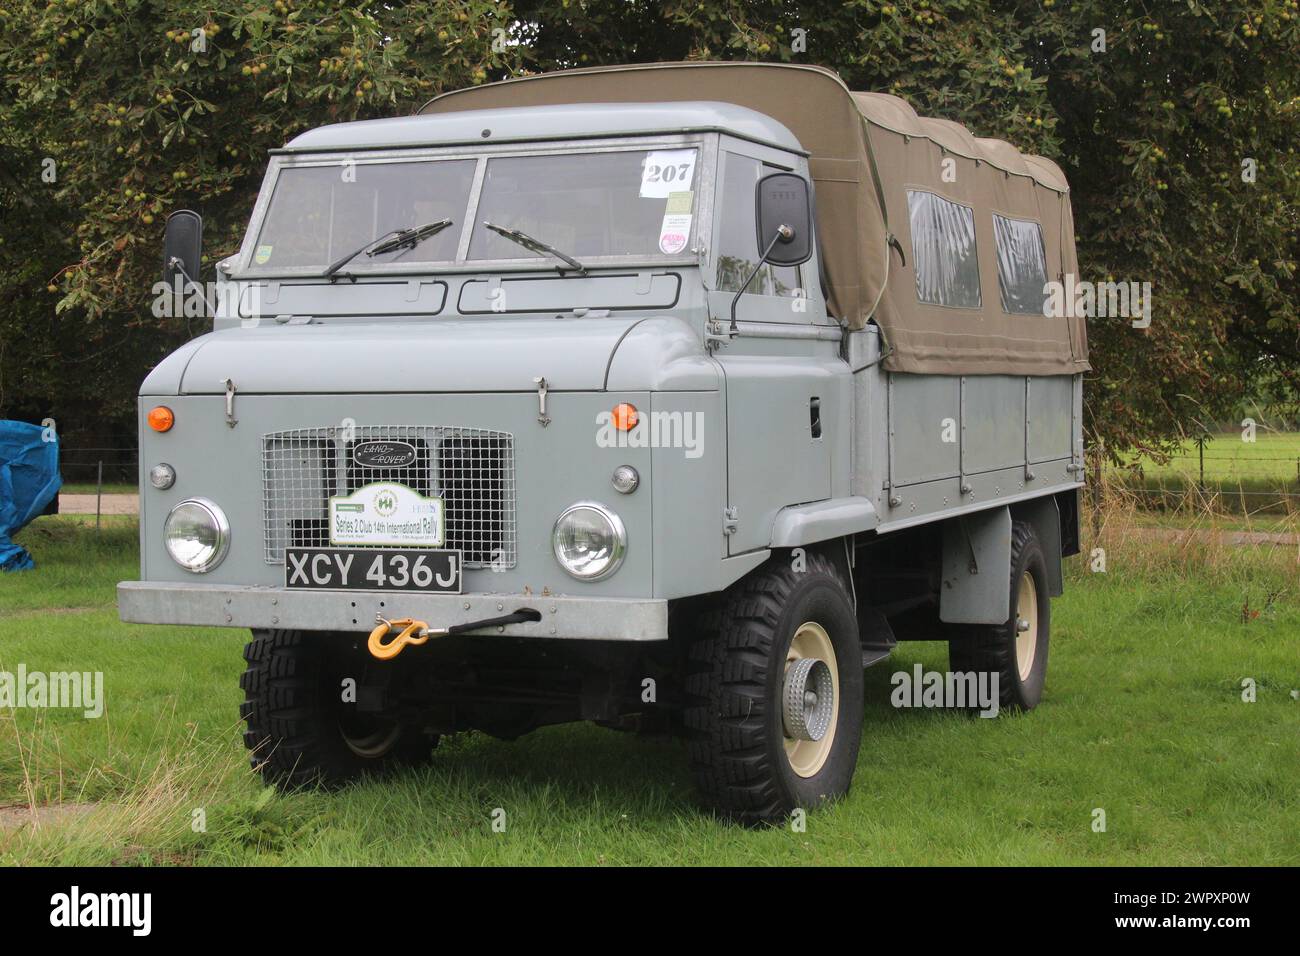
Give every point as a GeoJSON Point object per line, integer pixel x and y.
{"type": "Point", "coordinates": [533, 123]}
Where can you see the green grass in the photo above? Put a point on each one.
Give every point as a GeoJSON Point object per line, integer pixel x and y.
{"type": "Point", "coordinates": [88, 488]}
{"type": "Point", "coordinates": [76, 565]}
{"type": "Point", "coordinates": [1262, 523]}
{"type": "Point", "coordinates": [1142, 717]}
{"type": "Point", "coordinates": [1262, 476]}
{"type": "Point", "coordinates": [1228, 457]}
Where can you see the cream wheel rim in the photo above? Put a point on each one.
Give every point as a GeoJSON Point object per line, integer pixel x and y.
{"type": "Point", "coordinates": [811, 642]}
{"type": "Point", "coordinates": [372, 745]}
{"type": "Point", "coordinates": [1026, 626]}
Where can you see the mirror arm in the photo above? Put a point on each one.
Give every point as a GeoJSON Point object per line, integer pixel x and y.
{"type": "Point", "coordinates": [176, 263]}
{"type": "Point", "coordinates": [782, 232]}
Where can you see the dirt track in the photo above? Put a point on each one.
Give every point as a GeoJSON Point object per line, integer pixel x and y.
{"type": "Point", "coordinates": [109, 504]}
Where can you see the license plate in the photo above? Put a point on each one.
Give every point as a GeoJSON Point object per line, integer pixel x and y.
{"type": "Point", "coordinates": [370, 569]}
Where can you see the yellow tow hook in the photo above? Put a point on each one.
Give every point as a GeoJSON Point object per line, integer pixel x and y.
{"type": "Point", "coordinates": [411, 632]}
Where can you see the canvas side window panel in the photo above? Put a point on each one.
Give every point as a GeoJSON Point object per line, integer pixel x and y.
{"type": "Point", "coordinates": [1022, 266]}
{"type": "Point", "coordinates": [943, 251]}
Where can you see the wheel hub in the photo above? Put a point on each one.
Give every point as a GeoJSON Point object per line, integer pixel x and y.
{"type": "Point", "coordinates": [370, 742]}
{"type": "Point", "coordinates": [808, 700]}
{"type": "Point", "coordinates": [1026, 626]}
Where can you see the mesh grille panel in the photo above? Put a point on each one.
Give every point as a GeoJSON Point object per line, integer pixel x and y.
{"type": "Point", "coordinates": [471, 469]}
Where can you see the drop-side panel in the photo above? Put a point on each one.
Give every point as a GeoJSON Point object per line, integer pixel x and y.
{"type": "Point", "coordinates": [993, 423]}
{"type": "Point", "coordinates": [1051, 402]}
{"type": "Point", "coordinates": [925, 427]}
{"type": "Point", "coordinates": [961, 444]}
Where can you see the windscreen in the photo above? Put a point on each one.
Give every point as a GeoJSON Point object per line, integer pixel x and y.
{"type": "Point", "coordinates": [616, 203]}
{"type": "Point", "coordinates": [320, 213]}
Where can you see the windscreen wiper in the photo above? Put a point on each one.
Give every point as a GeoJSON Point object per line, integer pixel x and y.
{"type": "Point", "coordinates": [536, 245]}
{"type": "Point", "coordinates": [393, 239]}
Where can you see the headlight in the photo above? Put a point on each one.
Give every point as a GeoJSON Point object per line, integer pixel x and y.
{"type": "Point", "coordinates": [197, 535]}
{"type": "Point", "coordinates": [589, 540]}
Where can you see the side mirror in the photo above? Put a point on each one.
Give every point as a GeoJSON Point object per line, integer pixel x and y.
{"type": "Point", "coordinates": [783, 204]}
{"type": "Point", "coordinates": [182, 247]}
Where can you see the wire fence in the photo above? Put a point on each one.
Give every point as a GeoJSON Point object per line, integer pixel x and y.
{"type": "Point", "coordinates": [1261, 477]}
{"type": "Point", "coordinates": [88, 467]}
{"type": "Point", "coordinates": [1253, 480]}
{"type": "Point", "coordinates": [97, 471]}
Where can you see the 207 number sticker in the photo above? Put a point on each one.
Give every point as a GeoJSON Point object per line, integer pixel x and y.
{"type": "Point", "coordinates": [665, 171]}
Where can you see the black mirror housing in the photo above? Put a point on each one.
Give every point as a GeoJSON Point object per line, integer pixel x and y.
{"type": "Point", "coordinates": [182, 246]}
{"type": "Point", "coordinates": [782, 202]}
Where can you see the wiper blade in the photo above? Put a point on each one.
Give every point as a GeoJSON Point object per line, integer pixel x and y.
{"type": "Point", "coordinates": [399, 238]}
{"type": "Point", "coordinates": [340, 263]}
{"type": "Point", "coordinates": [411, 237]}
{"type": "Point", "coordinates": [536, 245]}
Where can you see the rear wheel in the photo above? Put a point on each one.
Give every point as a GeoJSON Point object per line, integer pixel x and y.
{"type": "Point", "coordinates": [303, 729]}
{"type": "Point", "coordinates": [1016, 650]}
{"type": "Point", "coordinates": [774, 691]}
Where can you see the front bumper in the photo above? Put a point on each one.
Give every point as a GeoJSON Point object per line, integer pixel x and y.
{"type": "Point", "coordinates": [217, 605]}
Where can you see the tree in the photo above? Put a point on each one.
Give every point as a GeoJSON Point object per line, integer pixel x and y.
{"type": "Point", "coordinates": [115, 112]}
{"type": "Point", "coordinates": [144, 107]}
{"type": "Point", "coordinates": [1178, 130]}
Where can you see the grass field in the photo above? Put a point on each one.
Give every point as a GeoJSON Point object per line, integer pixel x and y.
{"type": "Point", "coordinates": [88, 488]}
{"type": "Point", "coordinates": [1266, 523]}
{"type": "Point", "coordinates": [1143, 717]}
{"type": "Point", "coordinates": [1260, 477]}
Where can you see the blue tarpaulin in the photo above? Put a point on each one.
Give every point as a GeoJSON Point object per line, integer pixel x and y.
{"type": "Point", "coordinates": [29, 480]}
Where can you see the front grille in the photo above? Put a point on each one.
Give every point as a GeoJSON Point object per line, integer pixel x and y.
{"type": "Point", "coordinates": [471, 469]}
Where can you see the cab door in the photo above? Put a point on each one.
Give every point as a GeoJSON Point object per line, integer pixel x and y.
{"type": "Point", "coordinates": [780, 371]}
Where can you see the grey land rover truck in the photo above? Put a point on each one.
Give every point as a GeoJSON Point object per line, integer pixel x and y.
{"type": "Point", "coordinates": [668, 397]}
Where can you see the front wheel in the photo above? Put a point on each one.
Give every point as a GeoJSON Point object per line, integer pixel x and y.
{"type": "Point", "coordinates": [304, 729]}
{"type": "Point", "coordinates": [774, 690]}
{"type": "Point", "coordinates": [1015, 652]}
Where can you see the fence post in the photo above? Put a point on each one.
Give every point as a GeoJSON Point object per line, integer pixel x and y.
{"type": "Point", "coordinates": [1096, 492]}
{"type": "Point", "coordinates": [99, 492]}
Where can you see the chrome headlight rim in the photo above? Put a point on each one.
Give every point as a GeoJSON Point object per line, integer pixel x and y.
{"type": "Point", "coordinates": [616, 526]}
{"type": "Point", "coordinates": [220, 523]}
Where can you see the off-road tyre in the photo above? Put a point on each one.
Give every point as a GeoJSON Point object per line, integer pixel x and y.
{"type": "Point", "coordinates": [736, 666]}
{"type": "Point", "coordinates": [297, 722]}
{"type": "Point", "coordinates": [992, 648]}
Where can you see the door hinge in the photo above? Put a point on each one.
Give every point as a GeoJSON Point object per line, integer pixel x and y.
{"type": "Point", "coordinates": [715, 337]}
{"type": "Point", "coordinates": [730, 519]}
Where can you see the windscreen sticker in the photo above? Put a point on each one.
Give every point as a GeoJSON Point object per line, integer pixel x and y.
{"type": "Point", "coordinates": [263, 255]}
{"type": "Point", "coordinates": [666, 170]}
{"type": "Point", "coordinates": [674, 232]}
{"type": "Point", "coordinates": [679, 202]}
